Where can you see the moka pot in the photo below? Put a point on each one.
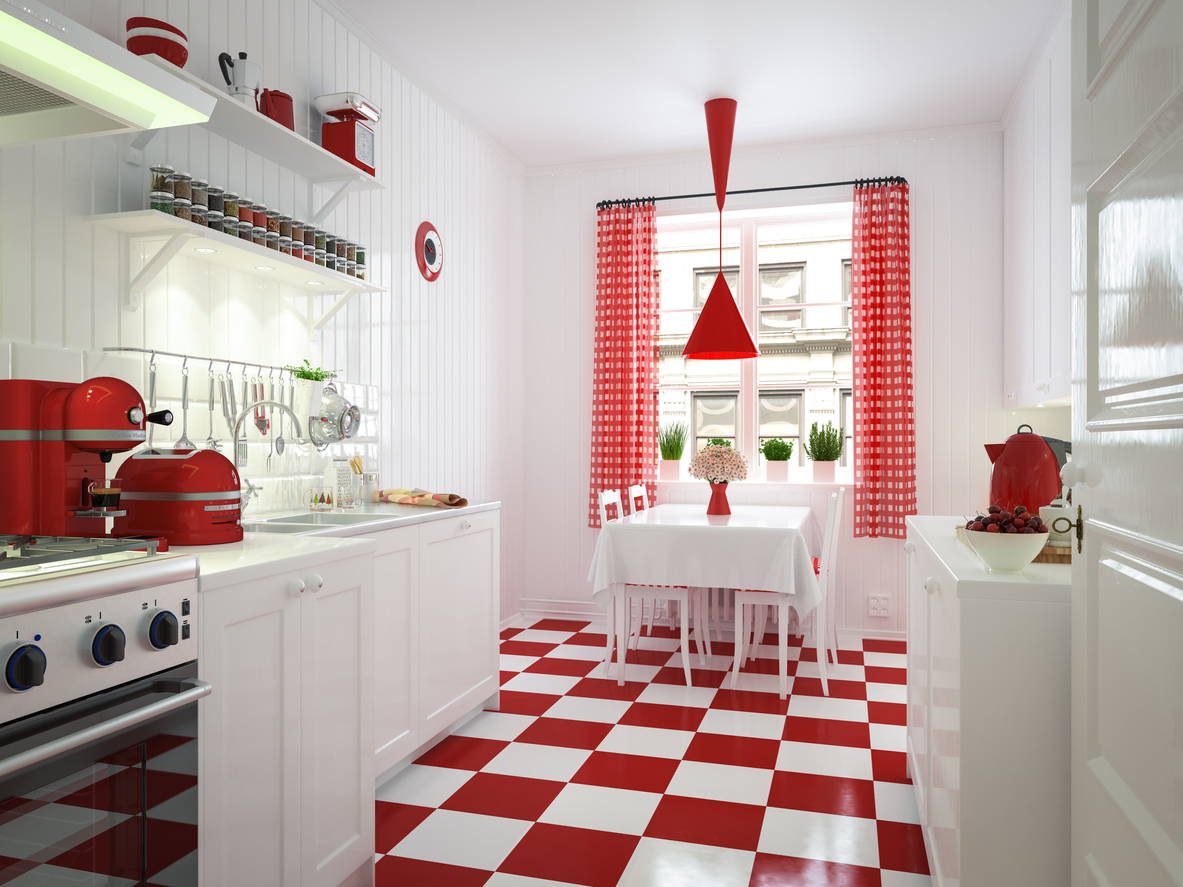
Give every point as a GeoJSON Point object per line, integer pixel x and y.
{"type": "Point", "coordinates": [243, 78]}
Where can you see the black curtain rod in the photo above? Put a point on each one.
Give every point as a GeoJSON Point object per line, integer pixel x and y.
{"type": "Point", "coordinates": [858, 183]}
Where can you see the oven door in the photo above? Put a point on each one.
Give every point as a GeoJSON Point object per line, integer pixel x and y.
{"type": "Point", "coordinates": [103, 791]}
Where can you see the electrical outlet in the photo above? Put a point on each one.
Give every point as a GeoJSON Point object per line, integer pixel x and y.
{"type": "Point", "coordinates": [877, 605]}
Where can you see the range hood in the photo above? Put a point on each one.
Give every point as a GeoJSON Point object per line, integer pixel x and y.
{"type": "Point", "coordinates": [59, 80]}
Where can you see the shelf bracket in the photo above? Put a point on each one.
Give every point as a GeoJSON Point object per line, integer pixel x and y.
{"type": "Point", "coordinates": [135, 150]}
{"type": "Point", "coordinates": [331, 204]}
{"type": "Point", "coordinates": [135, 290]}
{"type": "Point", "coordinates": [337, 305]}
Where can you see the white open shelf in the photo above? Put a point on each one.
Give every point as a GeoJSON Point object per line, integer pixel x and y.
{"type": "Point", "coordinates": [184, 238]}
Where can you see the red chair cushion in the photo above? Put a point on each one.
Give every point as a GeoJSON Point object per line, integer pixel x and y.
{"type": "Point", "coordinates": [817, 566]}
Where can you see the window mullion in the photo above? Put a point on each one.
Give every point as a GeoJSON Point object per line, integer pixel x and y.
{"type": "Point", "coordinates": [749, 277]}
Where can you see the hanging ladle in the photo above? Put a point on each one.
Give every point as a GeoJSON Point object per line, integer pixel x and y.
{"type": "Point", "coordinates": [183, 442]}
{"type": "Point", "coordinates": [279, 441]}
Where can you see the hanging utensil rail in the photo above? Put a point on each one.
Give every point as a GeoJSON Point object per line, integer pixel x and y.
{"type": "Point", "coordinates": [196, 359]}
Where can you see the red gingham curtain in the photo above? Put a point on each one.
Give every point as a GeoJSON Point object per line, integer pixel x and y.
{"type": "Point", "coordinates": [624, 363]}
{"type": "Point", "coordinates": [884, 422]}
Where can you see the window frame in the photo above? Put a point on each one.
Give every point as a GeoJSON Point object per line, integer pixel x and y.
{"type": "Point", "coordinates": [695, 394]}
{"type": "Point", "coordinates": [778, 391]}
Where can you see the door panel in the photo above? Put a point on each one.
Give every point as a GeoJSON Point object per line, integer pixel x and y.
{"type": "Point", "coordinates": [396, 647]}
{"type": "Point", "coordinates": [918, 683]}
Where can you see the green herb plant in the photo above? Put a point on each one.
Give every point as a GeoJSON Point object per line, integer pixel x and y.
{"type": "Point", "coordinates": [672, 440]}
{"type": "Point", "coordinates": [718, 442]}
{"type": "Point", "coordinates": [825, 444]}
{"type": "Point", "coordinates": [308, 371]}
{"type": "Point", "coordinates": [777, 450]}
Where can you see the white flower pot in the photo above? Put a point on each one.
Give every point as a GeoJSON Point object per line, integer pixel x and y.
{"type": "Point", "coordinates": [307, 400]}
{"type": "Point", "coordinates": [777, 472]}
{"type": "Point", "coordinates": [823, 472]}
{"type": "Point", "coordinates": [670, 471]}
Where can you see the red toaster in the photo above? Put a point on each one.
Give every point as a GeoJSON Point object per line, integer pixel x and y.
{"type": "Point", "coordinates": [190, 497]}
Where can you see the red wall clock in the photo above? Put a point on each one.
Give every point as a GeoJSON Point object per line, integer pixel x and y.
{"type": "Point", "coordinates": [429, 251]}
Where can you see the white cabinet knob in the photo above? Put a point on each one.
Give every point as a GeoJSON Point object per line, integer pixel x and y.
{"type": "Point", "coordinates": [298, 587]}
{"type": "Point", "coordinates": [320, 583]}
{"type": "Point", "coordinates": [932, 584]}
{"type": "Point", "coordinates": [465, 525]}
{"type": "Point", "coordinates": [909, 547]}
{"type": "Point", "coordinates": [1074, 473]}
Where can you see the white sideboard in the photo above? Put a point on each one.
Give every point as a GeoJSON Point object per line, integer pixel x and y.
{"type": "Point", "coordinates": [988, 713]}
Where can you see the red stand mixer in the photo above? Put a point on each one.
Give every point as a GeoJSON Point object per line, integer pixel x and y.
{"type": "Point", "coordinates": [1026, 470]}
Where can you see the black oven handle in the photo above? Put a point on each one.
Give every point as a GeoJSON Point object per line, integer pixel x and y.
{"type": "Point", "coordinates": [189, 691]}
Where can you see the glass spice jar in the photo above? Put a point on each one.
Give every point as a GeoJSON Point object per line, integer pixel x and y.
{"type": "Point", "coordinates": [320, 257]}
{"type": "Point", "coordinates": [161, 201]}
{"type": "Point", "coordinates": [259, 235]}
{"type": "Point", "coordinates": [330, 252]}
{"type": "Point", "coordinates": [183, 209]}
{"type": "Point", "coordinates": [342, 244]}
{"type": "Point", "coordinates": [214, 220]}
{"type": "Point", "coordinates": [260, 216]}
{"type": "Point", "coordinates": [285, 245]}
{"type": "Point", "coordinates": [272, 221]}
{"type": "Point", "coordinates": [246, 211]}
{"type": "Point", "coordinates": [351, 251]}
{"type": "Point", "coordinates": [183, 186]}
{"type": "Point", "coordinates": [285, 227]}
{"type": "Point", "coordinates": [230, 204]}
{"type": "Point", "coordinates": [245, 226]}
{"type": "Point", "coordinates": [361, 262]}
{"type": "Point", "coordinates": [214, 198]}
{"type": "Point", "coordinates": [309, 252]}
{"type": "Point", "coordinates": [272, 239]}
{"type": "Point", "coordinates": [297, 237]}
{"type": "Point", "coordinates": [321, 234]}
{"type": "Point", "coordinates": [200, 189]}
{"type": "Point", "coordinates": [200, 216]}
{"type": "Point", "coordinates": [162, 178]}
{"type": "Point", "coordinates": [351, 268]}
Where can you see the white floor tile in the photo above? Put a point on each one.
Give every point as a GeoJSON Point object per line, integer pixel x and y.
{"type": "Point", "coordinates": [516, 663]}
{"type": "Point", "coordinates": [721, 782]}
{"type": "Point", "coordinates": [634, 673]}
{"type": "Point", "coordinates": [828, 707]}
{"type": "Point", "coordinates": [577, 651]}
{"type": "Point", "coordinates": [534, 636]}
{"type": "Point", "coordinates": [901, 879]}
{"type": "Point", "coordinates": [886, 692]}
{"type": "Point", "coordinates": [658, 863]}
{"type": "Point", "coordinates": [712, 663]}
{"type": "Point", "coordinates": [455, 838]}
{"type": "Point", "coordinates": [552, 684]}
{"type": "Point", "coordinates": [769, 651]}
{"type": "Point", "coordinates": [666, 645]}
{"type": "Point", "coordinates": [896, 802]}
{"type": "Point", "coordinates": [582, 708]}
{"type": "Point", "coordinates": [886, 660]}
{"type": "Point", "coordinates": [742, 723]}
{"type": "Point", "coordinates": [652, 741]}
{"type": "Point", "coordinates": [503, 879]}
{"type": "Point", "coordinates": [760, 683]}
{"type": "Point", "coordinates": [825, 760]}
{"type": "Point", "coordinates": [834, 671]}
{"type": "Point", "coordinates": [847, 839]}
{"type": "Point", "coordinates": [889, 737]}
{"type": "Point", "coordinates": [423, 786]}
{"type": "Point", "coordinates": [602, 809]}
{"type": "Point", "coordinates": [538, 761]}
{"type": "Point", "coordinates": [496, 725]}
{"type": "Point", "coordinates": [677, 694]}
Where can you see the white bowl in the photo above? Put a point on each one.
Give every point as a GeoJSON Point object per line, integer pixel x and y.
{"type": "Point", "coordinates": [1006, 552]}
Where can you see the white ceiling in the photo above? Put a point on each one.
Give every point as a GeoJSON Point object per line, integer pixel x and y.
{"type": "Point", "coordinates": [557, 82]}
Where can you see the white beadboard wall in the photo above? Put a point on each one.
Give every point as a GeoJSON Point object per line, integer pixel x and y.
{"type": "Point", "coordinates": [956, 201]}
{"type": "Point", "coordinates": [445, 355]}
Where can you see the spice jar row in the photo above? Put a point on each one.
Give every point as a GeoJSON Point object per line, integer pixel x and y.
{"type": "Point", "coordinates": [194, 200]}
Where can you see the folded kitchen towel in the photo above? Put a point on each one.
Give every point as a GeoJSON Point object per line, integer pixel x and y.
{"type": "Point", "coordinates": [422, 497]}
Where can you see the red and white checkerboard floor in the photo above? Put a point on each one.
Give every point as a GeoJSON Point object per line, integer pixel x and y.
{"type": "Point", "coordinates": [578, 781]}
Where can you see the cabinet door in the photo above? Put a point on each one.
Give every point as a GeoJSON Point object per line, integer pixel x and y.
{"type": "Point", "coordinates": [944, 798]}
{"type": "Point", "coordinates": [396, 645]}
{"type": "Point", "coordinates": [458, 615]}
{"type": "Point", "coordinates": [337, 651]}
{"type": "Point", "coordinates": [250, 734]}
{"type": "Point", "coordinates": [918, 676]}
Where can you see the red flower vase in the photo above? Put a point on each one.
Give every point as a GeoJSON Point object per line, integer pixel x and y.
{"type": "Point", "coordinates": [718, 503]}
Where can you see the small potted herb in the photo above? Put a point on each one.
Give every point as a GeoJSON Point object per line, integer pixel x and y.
{"type": "Point", "coordinates": [310, 383]}
{"type": "Point", "coordinates": [671, 440]}
{"type": "Point", "coordinates": [776, 459]}
{"type": "Point", "coordinates": [824, 450]}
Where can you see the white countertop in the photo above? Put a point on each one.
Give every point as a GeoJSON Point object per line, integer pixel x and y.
{"type": "Point", "coordinates": [1038, 582]}
{"type": "Point", "coordinates": [392, 517]}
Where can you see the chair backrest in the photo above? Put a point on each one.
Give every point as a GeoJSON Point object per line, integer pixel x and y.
{"type": "Point", "coordinates": [610, 497]}
{"type": "Point", "coordinates": [635, 492]}
{"type": "Point", "coordinates": [829, 558]}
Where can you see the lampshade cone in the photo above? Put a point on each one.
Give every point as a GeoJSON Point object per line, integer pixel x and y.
{"type": "Point", "coordinates": [720, 333]}
{"type": "Point", "coordinates": [720, 130]}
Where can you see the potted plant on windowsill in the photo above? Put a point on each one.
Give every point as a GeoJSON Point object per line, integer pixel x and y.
{"type": "Point", "coordinates": [824, 450]}
{"type": "Point", "coordinates": [671, 440]}
{"type": "Point", "coordinates": [776, 459]}
{"type": "Point", "coordinates": [718, 464]}
{"type": "Point", "coordinates": [310, 383]}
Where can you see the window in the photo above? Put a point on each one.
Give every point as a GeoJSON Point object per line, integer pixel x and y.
{"type": "Point", "coordinates": [847, 428]}
{"type": "Point", "coordinates": [788, 269]}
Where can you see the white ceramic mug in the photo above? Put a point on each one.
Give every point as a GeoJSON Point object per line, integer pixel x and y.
{"type": "Point", "coordinates": [1049, 513]}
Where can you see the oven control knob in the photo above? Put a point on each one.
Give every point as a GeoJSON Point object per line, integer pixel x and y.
{"type": "Point", "coordinates": [109, 645]}
{"type": "Point", "coordinates": [164, 631]}
{"type": "Point", "coordinates": [26, 668]}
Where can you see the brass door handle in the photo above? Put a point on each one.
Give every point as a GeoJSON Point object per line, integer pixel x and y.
{"type": "Point", "coordinates": [1068, 525]}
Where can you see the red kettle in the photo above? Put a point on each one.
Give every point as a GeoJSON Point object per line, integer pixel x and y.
{"type": "Point", "coordinates": [278, 106]}
{"type": "Point", "coordinates": [1026, 471]}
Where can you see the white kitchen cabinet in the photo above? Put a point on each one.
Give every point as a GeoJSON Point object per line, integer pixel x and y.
{"type": "Point", "coordinates": [396, 646]}
{"type": "Point", "coordinates": [286, 738]}
{"type": "Point", "coordinates": [988, 713]}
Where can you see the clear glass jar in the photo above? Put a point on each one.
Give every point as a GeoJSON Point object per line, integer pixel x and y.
{"type": "Point", "coordinates": [246, 211]}
{"type": "Point", "coordinates": [183, 209]}
{"type": "Point", "coordinates": [330, 260]}
{"type": "Point", "coordinates": [161, 201]}
{"type": "Point", "coordinates": [200, 216]}
{"type": "Point", "coordinates": [272, 221]}
{"type": "Point", "coordinates": [320, 257]}
{"type": "Point", "coordinates": [215, 199]}
{"type": "Point", "coordinates": [260, 216]}
{"type": "Point", "coordinates": [162, 178]}
{"type": "Point", "coordinates": [230, 205]}
{"type": "Point", "coordinates": [309, 252]}
{"type": "Point", "coordinates": [245, 226]}
{"type": "Point", "coordinates": [351, 268]}
{"type": "Point", "coordinates": [285, 245]}
{"type": "Point", "coordinates": [183, 186]}
{"type": "Point", "coordinates": [259, 235]}
{"type": "Point", "coordinates": [351, 251]}
{"type": "Point", "coordinates": [285, 227]}
{"type": "Point", "coordinates": [272, 238]}
{"type": "Point", "coordinates": [361, 254]}
{"type": "Point", "coordinates": [321, 234]}
{"type": "Point", "coordinates": [342, 248]}
{"type": "Point", "coordinates": [200, 193]}
{"type": "Point", "coordinates": [214, 220]}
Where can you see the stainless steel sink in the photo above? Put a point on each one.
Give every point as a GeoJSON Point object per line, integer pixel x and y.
{"type": "Point", "coordinates": [329, 517]}
{"type": "Point", "coordinates": [289, 529]}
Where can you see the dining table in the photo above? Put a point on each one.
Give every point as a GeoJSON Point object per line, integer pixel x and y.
{"type": "Point", "coordinates": [755, 547]}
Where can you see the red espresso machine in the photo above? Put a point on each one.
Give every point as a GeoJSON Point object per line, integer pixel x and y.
{"type": "Point", "coordinates": [55, 441]}
{"type": "Point", "coordinates": [1026, 471]}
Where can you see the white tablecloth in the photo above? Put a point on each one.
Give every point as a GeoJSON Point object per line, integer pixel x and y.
{"type": "Point", "coordinates": [755, 547]}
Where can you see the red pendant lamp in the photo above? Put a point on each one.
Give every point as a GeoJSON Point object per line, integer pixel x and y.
{"type": "Point", "coordinates": [720, 333]}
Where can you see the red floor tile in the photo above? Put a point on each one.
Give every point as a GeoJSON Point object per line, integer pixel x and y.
{"type": "Point", "coordinates": [398, 871]}
{"type": "Point", "coordinates": [507, 676]}
{"type": "Point", "coordinates": [577, 668]}
{"type": "Point", "coordinates": [850, 657]}
{"type": "Point", "coordinates": [607, 688]}
{"type": "Point", "coordinates": [559, 625]}
{"type": "Point", "coordinates": [112, 794]}
{"type": "Point", "coordinates": [571, 855]}
{"type": "Point", "coordinates": [636, 772]}
{"type": "Point", "coordinates": [167, 842]}
{"type": "Point", "coordinates": [393, 822]}
{"type": "Point", "coordinates": [901, 847]}
{"type": "Point", "coordinates": [823, 794]}
{"type": "Point", "coordinates": [507, 633]}
{"type": "Point", "coordinates": [526, 648]}
{"type": "Point", "coordinates": [889, 766]}
{"type": "Point", "coordinates": [838, 689]}
{"type": "Point", "coordinates": [588, 639]}
{"type": "Point", "coordinates": [790, 871]}
{"type": "Point", "coordinates": [878, 645]}
{"type": "Point", "coordinates": [513, 702]}
{"type": "Point", "coordinates": [513, 797]}
{"type": "Point", "coordinates": [669, 717]}
{"type": "Point", "coordinates": [826, 731]}
{"type": "Point", "coordinates": [879, 675]}
{"type": "Point", "coordinates": [888, 713]}
{"type": "Point", "coordinates": [566, 733]}
{"type": "Point", "coordinates": [463, 752]}
{"type": "Point", "coordinates": [764, 665]}
{"type": "Point", "coordinates": [749, 700]}
{"type": "Point", "coordinates": [699, 677]}
{"type": "Point", "coordinates": [742, 751]}
{"type": "Point", "coordinates": [645, 657]}
{"type": "Point", "coordinates": [698, 821]}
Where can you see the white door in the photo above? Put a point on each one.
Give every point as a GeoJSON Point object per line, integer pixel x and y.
{"type": "Point", "coordinates": [1127, 400]}
{"type": "Point", "coordinates": [396, 646]}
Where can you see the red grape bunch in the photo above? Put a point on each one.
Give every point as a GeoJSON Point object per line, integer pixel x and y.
{"type": "Point", "coordinates": [998, 521]}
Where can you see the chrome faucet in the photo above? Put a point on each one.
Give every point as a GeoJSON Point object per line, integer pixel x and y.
{"type": "Point", "coordinates": [251, 490]}
{"type": "Point", "coordinates": [240, 451]}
